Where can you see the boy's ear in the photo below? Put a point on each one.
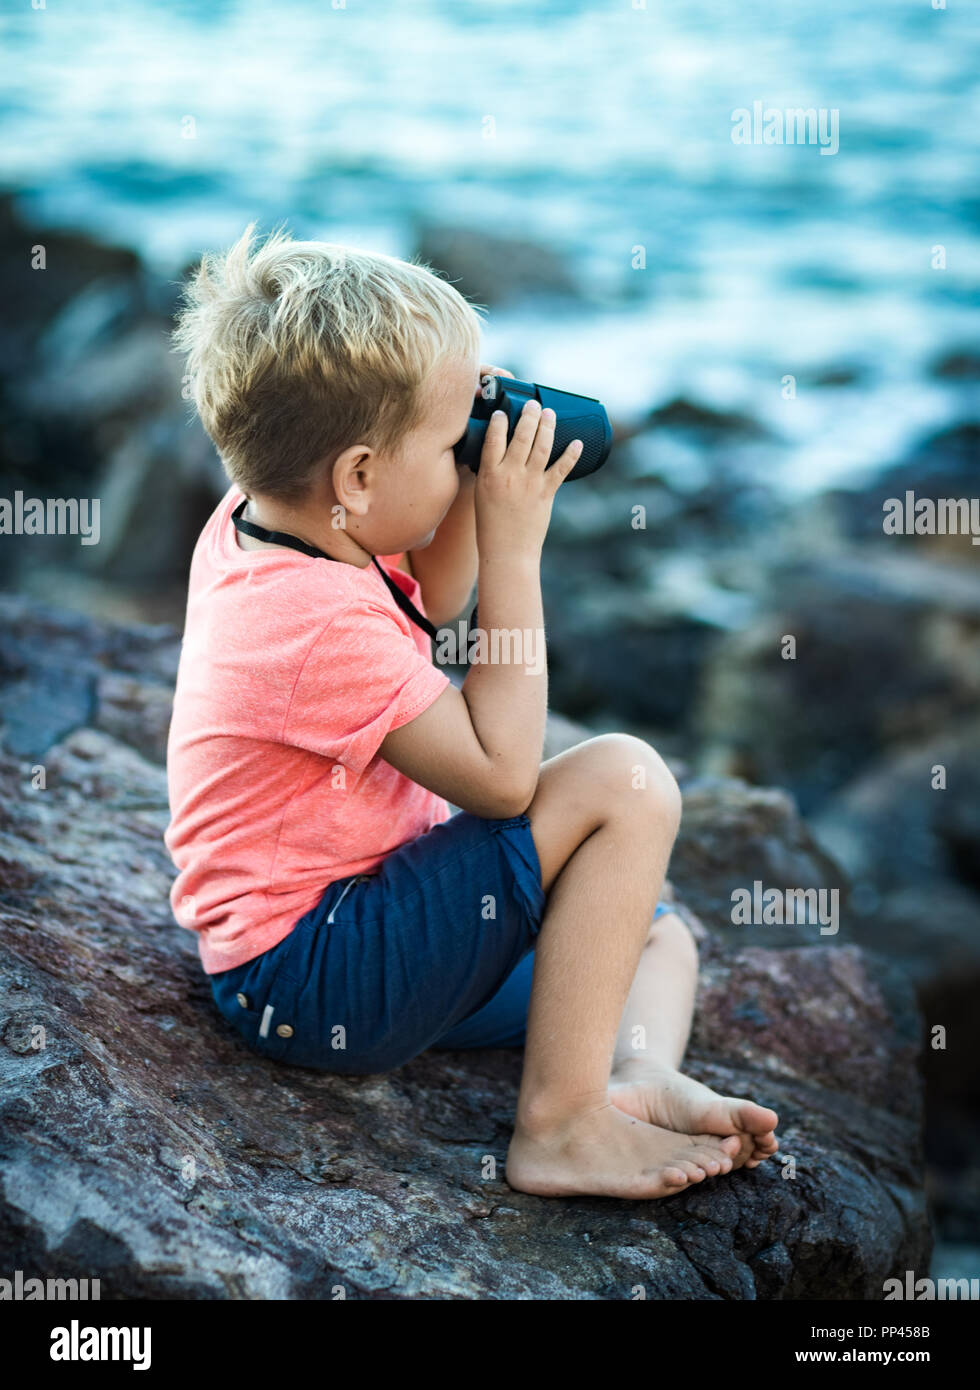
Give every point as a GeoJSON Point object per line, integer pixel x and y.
{"type": "Point", "coordinates": [352, 475]}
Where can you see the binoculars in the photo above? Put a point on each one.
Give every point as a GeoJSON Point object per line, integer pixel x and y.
{"type": "Point", "coordinates": [576, 417]}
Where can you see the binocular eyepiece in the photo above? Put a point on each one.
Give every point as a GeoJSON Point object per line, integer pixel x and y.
{"type": "Point", "coordinates": [576, 417]}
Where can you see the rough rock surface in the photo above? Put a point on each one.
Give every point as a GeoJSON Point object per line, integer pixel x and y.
{"type": "Point", "coordinates": [92, 405]}
{"type": "Point", "coordinates": [142, 1144]}
{"type": "Point", "coordinates": [733, 835]}
{"type": "Point", "coordinates": [886, 654]}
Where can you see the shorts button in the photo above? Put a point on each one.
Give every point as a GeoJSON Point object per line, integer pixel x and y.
{"type": "Point", "coordinates": [243, 1000]}
{"type": "Point", "coordinates": [284, 1030]}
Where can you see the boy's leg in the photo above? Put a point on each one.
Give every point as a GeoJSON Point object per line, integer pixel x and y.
{"type": "Point", "coordinates": [604, 819]}
{"type": "Point", "coordinates": [502, 1022]}
{"type": "Point", "coordinates": [646, 1080]}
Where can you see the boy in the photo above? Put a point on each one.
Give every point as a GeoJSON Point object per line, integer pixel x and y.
{"type": "Point", "coordinates": [346, 920]}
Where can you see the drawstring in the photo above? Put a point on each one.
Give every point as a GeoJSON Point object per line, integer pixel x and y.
{"type": "Point", "coordinates": [343, 895]}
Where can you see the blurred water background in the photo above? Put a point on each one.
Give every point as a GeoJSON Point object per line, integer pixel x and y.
{"type": "Point", "coordinates": [784, 338]}
{"type": "Point", "coordinates": [611, 129]}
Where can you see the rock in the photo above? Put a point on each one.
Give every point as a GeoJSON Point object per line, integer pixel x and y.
{"type": "Point", "coordinates": [143, 1145]}
{"type": "Point", "coordinates": [159, 486]}
{"type": "Point", "coordinates": [958, 365]}
{"type": "Point", "coordinates": [838, 376]}
{"type": "Point", "coordinates": [135, 712]}
{"type": "Point", "coordinates": [644, 670]}
{"type": "Point", "coordinates": [640, 581]}
{"type": "Point", "coordinates": [33, 296]}
{"type": "Point", "coordinates": [911, 818]}
{"type": "Point", "coordinates": [62, 672]}
{"type": "Point", "coordinates": [631, 627]}
{"type": "Point", "coordinates": [912, 848]}
{"type": "Point", "coordinates": [732, 835]}
{"type": "Point", "coordinates": [942, 465]}
{"type": "Point", "coordinates": [94, 318]}
{"type": "Point", "coordinates": [158, 477]}
{"type": "Point", "coordinates": [955, 448]}
{"type": "Point", "coordinates": [91, 405]}
{"type": "Point", "coordinates": [123, 376]}
{"type": "Point", "coordinates": [491, 269]}
{"type": "Point", "coordinates": [885, 652]}
{"type": "Point", "coordinates": [912, 854]}
{"type": "Point", "coordinates": [932, 928]}
{"type": "Point", "coordinates": [704, 420]}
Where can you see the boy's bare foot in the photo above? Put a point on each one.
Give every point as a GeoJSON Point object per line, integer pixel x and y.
{"type": "Point", "coordinates": [607, 1153]}
{"type": "Point", "coordinates": [664, 1096]}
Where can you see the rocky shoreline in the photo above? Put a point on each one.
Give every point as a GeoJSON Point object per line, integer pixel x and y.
{"type": "Point", "coordinates": [145, 1146]}
{"type": "Point", "coordinates": [675, 630]}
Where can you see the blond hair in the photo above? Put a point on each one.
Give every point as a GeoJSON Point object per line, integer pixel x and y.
{"type": "Point", "coordinates": [298, 349]}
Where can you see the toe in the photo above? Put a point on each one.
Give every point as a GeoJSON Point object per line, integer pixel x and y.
{"type": "Point", "coordinates": [757, 1119]}
{"type": "Point", "coordinates": [714, 1162]}
{"type": "Point", "coordinates": [746, 1150]}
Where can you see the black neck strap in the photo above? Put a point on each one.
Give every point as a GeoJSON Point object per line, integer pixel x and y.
{"type": "Point", "coordinates": [259, 533]}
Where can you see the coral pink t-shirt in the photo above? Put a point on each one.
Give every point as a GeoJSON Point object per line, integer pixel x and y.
{"type": "Point", "coordinates": [292, 671]}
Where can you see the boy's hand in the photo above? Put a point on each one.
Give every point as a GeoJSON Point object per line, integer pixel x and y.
{"type": "Point", "coordinates": [446, 568]}
{"type": "Point", "coordinates": [481, 747]}
{"type": "Point", "coordinates": [467, 478]}
{"type": "Point", "coordinates": [514, 488]}
{"type": "Point", "coordinates": [495, 371]}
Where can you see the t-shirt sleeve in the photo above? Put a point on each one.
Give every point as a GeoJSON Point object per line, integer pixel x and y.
{"type": "Point", "coordinates": [363, 677]}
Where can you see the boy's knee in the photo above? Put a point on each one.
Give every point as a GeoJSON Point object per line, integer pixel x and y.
{"type": "Point", "coordinates": [635, 778]}
{"type": "Point", "coordinates": [674, 929]}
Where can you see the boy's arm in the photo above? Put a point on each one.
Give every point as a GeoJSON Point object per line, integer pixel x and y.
{"type": "Point", "coordinates": [480, 747]}
{"type": "Point", "coordinates": [446, 568]}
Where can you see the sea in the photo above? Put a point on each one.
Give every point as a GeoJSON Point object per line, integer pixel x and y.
{"type": "Point", "coordinates": [822, 292]}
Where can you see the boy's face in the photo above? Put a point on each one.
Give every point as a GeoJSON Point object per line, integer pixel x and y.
{"type": "Point", "coordinates": [409, 494]}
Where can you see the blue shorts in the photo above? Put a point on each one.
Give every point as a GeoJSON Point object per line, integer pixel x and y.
{"type": "Point", "coordinates": [435, 948]}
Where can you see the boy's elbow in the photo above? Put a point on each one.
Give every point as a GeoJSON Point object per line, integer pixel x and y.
{"type": "Point", "coordinates": [504, 809]}
{"type": "Point", "coordinates": [511, 798]}
{"type": "Point", "coordinates": [444, 610]}
{"type": "Point", "coordinates": [494, 794]}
